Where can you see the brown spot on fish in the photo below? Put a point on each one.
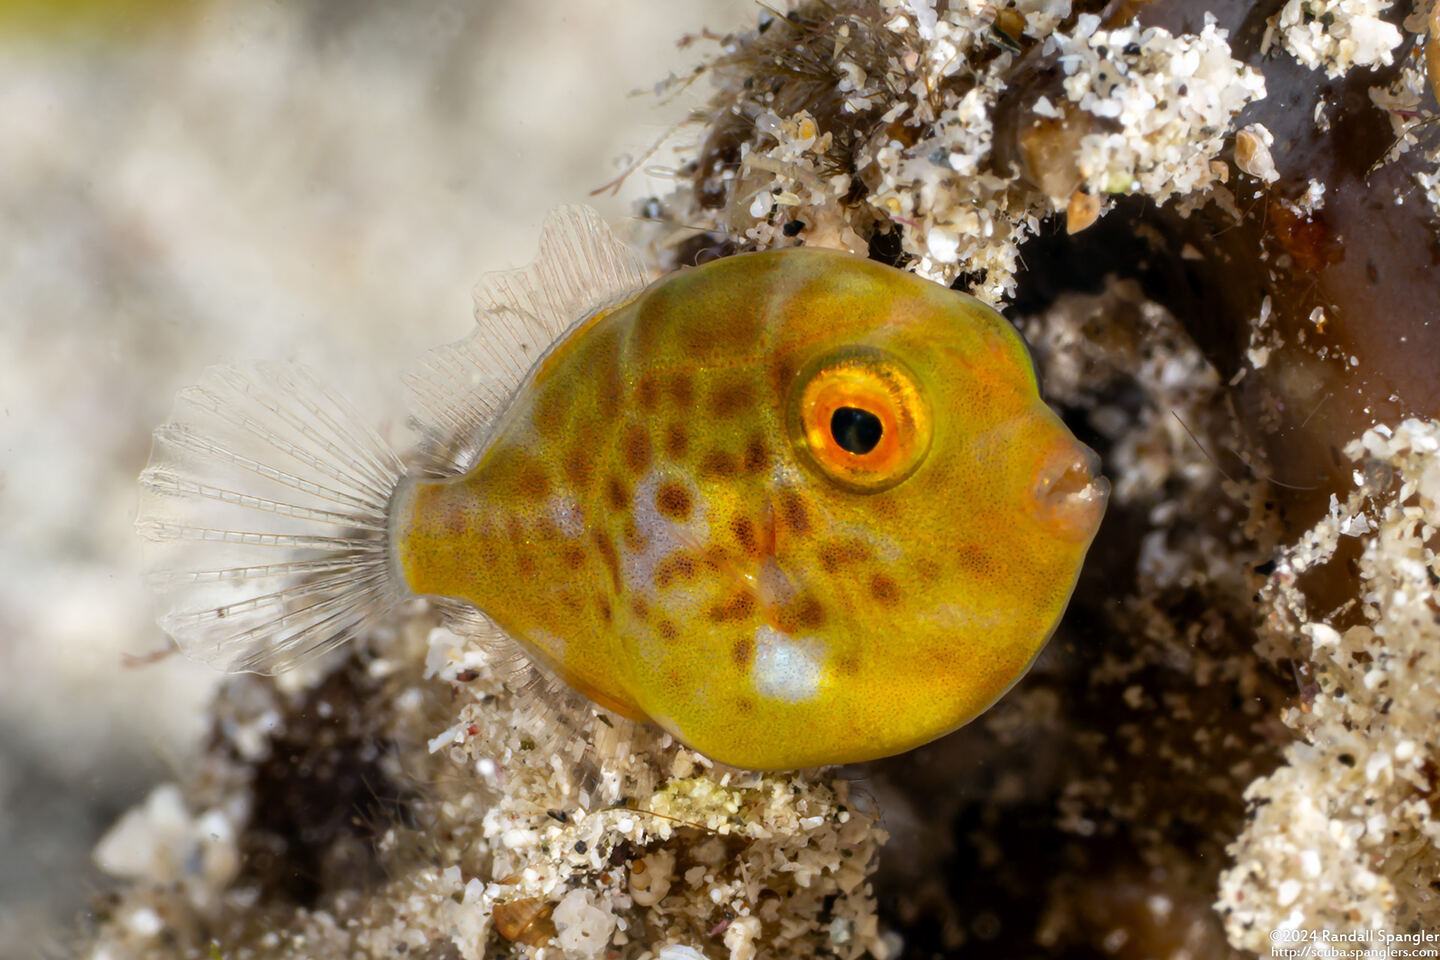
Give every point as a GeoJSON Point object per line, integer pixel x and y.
{"type": "Point", "coordinates": [849, 665]}
{"type": "Point", "coordinates": [647, 392]}
{"type": "Point", "coordinates": [809, 613]}
{"type": "Point", "coordinates": [667, 630]}
{"type": "Point", "coordinates": [717, 465]}
{"type": "Point", "coordinates": [682, 391]}
{"type": "Point", "coordinates": [741, 652]}
{"type": "Point", "coordinates": [617, 493]}
{"type": "Point", "coordinates": [698, 338]}
{"type": "Point", "coordinates": [743, 529]}
{"type": "Point", "coordinates": [552, 408]}
{"type": "Point", "coordinates": [572, 557]}
{"type": "Point", "coordinates": [884, 589]}
{"type": "Point", "coordinates": [606, 612]}
{"type": "Point", "coordinates": [579, 467]}
{"type": "Point", "coordinates": [738, 607]}
{"type": "Point", "coordinates": [526, 565]}
{"type": "Point", "coordinates": [610, 558]}
{"type": "Point", "coordinates": [678, 565]}
{"type": "Point", "coordinates": [792, 511]}
{"type": "Point", "coordinates": [525, 473]}
{"type": "Point", "coordinates": [677, 441]}
{"type": "Point", "coordinates": [973, 558]}
{"type": "Point", "coordinates": [640, 608]}
{"type": "Point", "coordinates": [634, 540]}
{"type": "Point", "coordinates": [486, 551]}
{"type": "Point", "coordinates": [804, 614]}
{"type": "Point", "coordinates": [757, 457]}
{"type": "Point", "coordinates": [716, 558]}
{"type": "Point", "coordinates": [835, 554]}
{"type": "Point", "coordinates": [635, 448]}
{"type": "Point", "coordinates": [673, 501]}
{"type": "Point", "coordinates": [782, 371]}
{"type": "Point", "coordinates": [731, 399]}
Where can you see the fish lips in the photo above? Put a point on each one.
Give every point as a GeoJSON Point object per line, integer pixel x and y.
{"type": "Point", "coordinates": [1068, 495]}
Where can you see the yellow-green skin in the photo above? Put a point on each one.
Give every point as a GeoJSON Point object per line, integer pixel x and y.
{"type": "Point", "coordinates": [644, 523]}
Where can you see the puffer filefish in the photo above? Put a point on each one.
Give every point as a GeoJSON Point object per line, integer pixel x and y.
{"type": "Point", "coordinates": [795, 507]}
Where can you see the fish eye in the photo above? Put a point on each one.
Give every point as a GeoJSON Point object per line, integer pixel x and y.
{"type": "Point", "coordinates": [861, 419]}
{"type": "Point", "coordinates": [855, 430]}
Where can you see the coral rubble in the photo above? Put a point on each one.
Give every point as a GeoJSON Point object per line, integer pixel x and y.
{"type": "Point", "coordinates": [1342, 837]}
{"type": "Point", "coordinates": [417, 803]}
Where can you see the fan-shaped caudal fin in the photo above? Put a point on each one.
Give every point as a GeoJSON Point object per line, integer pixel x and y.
{"type": "Point", "coordinates": [266, 502]}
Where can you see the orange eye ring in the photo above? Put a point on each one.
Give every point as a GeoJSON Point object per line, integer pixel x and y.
{"type": "Point", "coordinates": [860, 418]}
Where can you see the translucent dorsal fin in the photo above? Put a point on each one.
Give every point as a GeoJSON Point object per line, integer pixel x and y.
{"type": "Point", "coordinates": [459, 389]}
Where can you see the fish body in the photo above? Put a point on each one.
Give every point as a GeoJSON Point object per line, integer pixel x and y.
{"type": "Point", "coordinates": [795, 507]}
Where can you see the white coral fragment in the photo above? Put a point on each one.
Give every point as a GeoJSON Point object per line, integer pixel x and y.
{"type": "Point", "coordinates": [1172, 96]}
{"type": "Point", "coordinates": [1335, 35]}
{"type": "Point", "coordinates": [583, 928]}
{"type": "Point", "coordinates": [161, 842]}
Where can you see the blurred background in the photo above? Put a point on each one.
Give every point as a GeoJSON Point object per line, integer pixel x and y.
{"type": "Point", "coordinates": [189, 183]}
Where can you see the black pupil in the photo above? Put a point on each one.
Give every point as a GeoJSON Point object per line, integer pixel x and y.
{"type": "Point", "coordinates": [857, 431]}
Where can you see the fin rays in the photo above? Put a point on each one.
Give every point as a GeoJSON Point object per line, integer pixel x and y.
{"type": "Point", "coordinates": [184, 439]}
{"type": "Point", "coordinates": [460, 389]}
{"type": "Point", "coordinates": [332, 456]}
{"type": "Point", "coordinates": [265, 503]}
{"type": "Point", "coordinates": [159, 481]}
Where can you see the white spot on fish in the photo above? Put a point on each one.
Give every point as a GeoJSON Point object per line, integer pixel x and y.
{"type": "Point", "coordinates": [660, 536]}
{"type": "Point", "coordinates": [568, 517]}
{"type": "Point", "coordinates": [786, 668]}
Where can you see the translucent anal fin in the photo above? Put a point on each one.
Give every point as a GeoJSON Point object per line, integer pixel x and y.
{"type": "Point", "coordinates": [460, 389]}
{"type": "Point", "coordinates": [266, 502]}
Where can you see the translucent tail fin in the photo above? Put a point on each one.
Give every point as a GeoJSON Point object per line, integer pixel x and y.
{"type": "Point", "coordinates": [266, 499]}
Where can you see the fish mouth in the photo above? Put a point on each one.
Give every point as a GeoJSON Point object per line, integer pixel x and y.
{"type": "Point", "coordinates": [1068, 494]}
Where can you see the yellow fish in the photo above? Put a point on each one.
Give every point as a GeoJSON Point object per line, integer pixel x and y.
{"type": "Point", "coordinates": [795, 507]}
